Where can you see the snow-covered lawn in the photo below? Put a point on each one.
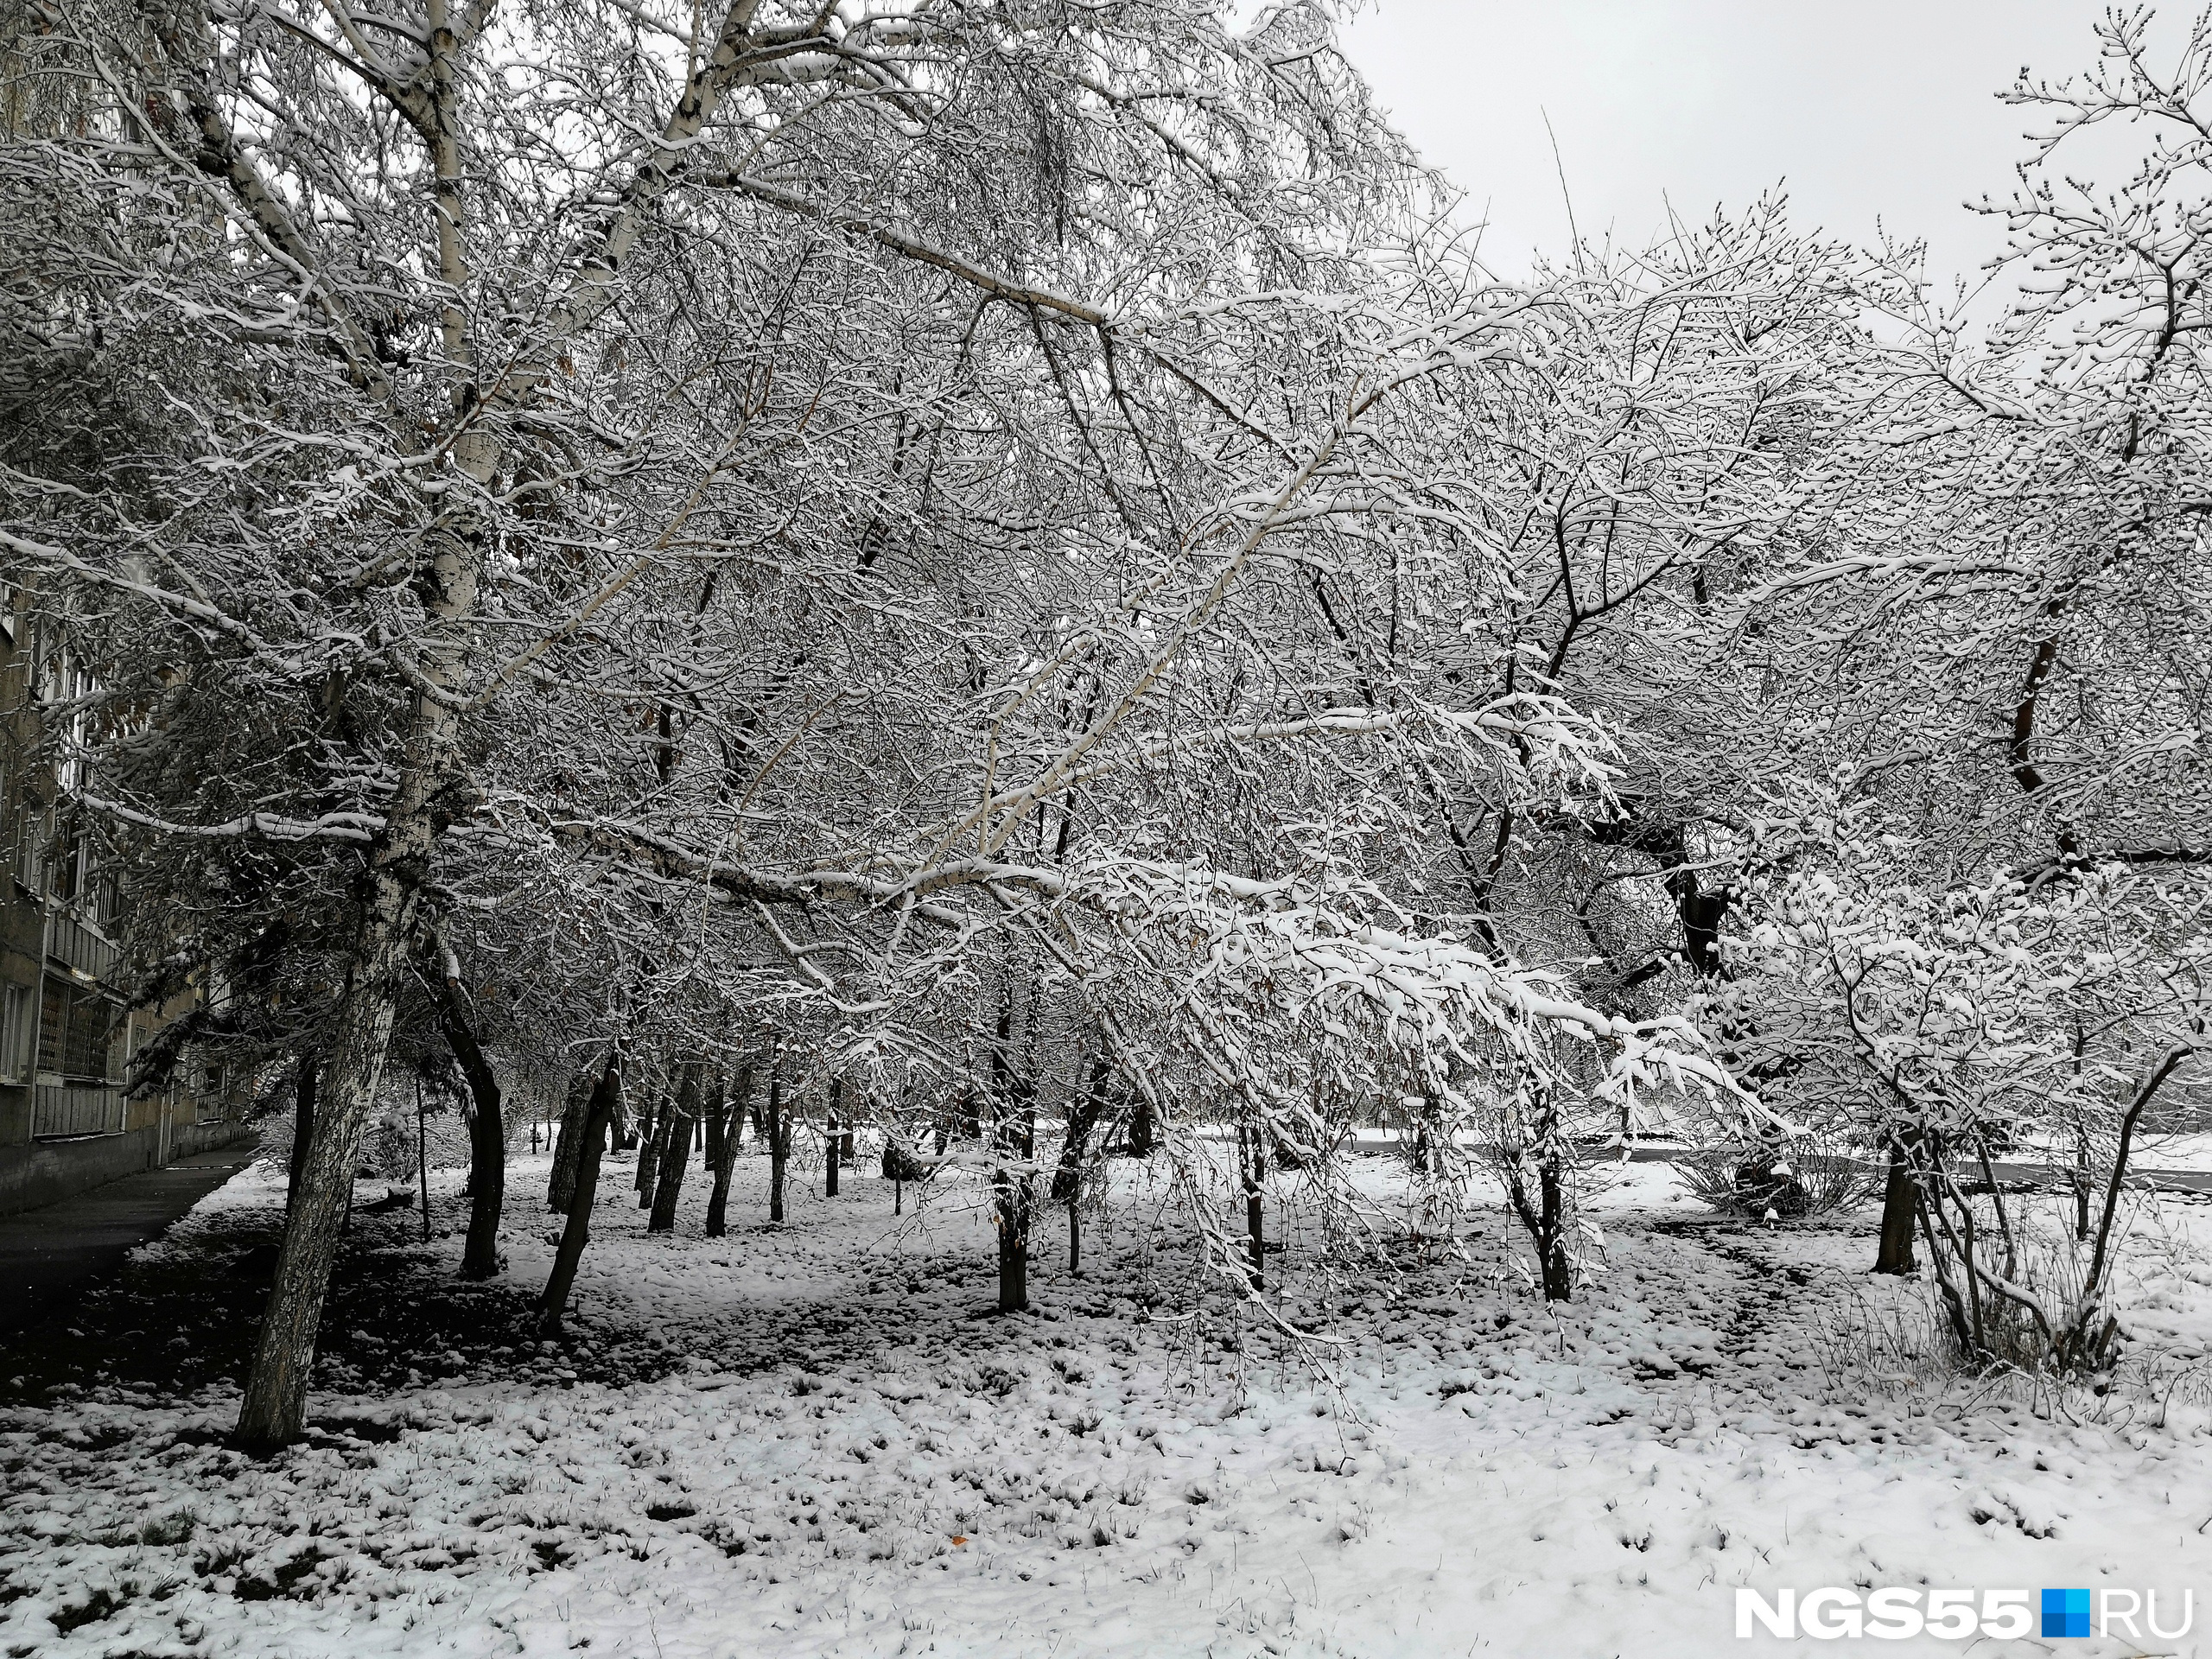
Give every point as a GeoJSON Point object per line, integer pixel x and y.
{"type": "Point", "coordinates": [817, 1440]}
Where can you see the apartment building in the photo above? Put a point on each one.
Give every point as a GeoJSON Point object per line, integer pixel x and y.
{"type": "Point", "coordinates": [66, 1034]}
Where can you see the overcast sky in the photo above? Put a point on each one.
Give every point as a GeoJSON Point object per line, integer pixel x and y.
{"type": "Point", "coordinates": [1863, 107]}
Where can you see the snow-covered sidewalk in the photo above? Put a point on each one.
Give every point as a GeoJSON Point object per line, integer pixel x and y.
{"type": "Point", "coordinates": [816, 1440]}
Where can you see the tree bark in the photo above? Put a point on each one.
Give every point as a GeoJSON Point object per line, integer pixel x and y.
{"type": "Point", "coordinates": [1558, 1270]}
{"type": "Point", "coordinates": [1143, 1131]}
{"type": "Point", "coordinates": [723, 1154]}
{"type": "Point", "coordinates": [1014, 1194]}
{"type": "Point", "coordinates": [1084, 1112]}
{"type": "Point", "coordinates": [1015, 1134]}
{"type": "Point", "coordinates": [717, 1126]}
{"type": "Point", "coordinates": [302, 1125]}
{"type": "Point", "coordinates": [553, 1302]}
{"type": "Point", "coordinates": [779, 1142]}
{"type": "Point", "coordinates": [574, 1111]}
{"type": "Point", "coordinates": [1899, 1210]}
{"type": "Point", "coordinates": [669, 1187]}
{"type": "Point", "coordinates": [273, 1411]}
{"type": "Point", "coordinates": [652, 1131]}
{"type": "Point", "coordinates": [487, 1131]}
{"type": "Point", "coordinates": [1254, 1170]}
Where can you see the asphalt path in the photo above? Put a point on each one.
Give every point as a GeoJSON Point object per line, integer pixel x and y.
{"type": "Point", "coordinates": [47, 1254]}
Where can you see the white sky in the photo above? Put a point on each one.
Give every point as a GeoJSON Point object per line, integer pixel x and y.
{"type": "Point", "coordinates": [1864, 108]}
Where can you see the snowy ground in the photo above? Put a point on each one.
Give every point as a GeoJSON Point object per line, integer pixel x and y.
{"type": "Point", "coordinates": [817, 1441]}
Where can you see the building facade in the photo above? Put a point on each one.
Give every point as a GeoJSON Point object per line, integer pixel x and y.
{"type": "Point", "coordinates": [67, 1034]}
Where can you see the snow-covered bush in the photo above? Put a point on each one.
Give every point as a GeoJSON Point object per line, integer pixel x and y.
{"type": "Point", "coordinates": [1958, 1030]}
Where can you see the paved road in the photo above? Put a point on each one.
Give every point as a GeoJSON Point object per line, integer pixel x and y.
{"type": "Point", "coordinates": [46, 1253]}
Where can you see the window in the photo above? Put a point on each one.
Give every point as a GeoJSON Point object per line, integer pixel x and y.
{"type": "Point", "coordinates": [30, 862]}
{"type": "Point", "coordinates": [76, 1029]}
{"type": "Point", "coordinates": [17, 1031]}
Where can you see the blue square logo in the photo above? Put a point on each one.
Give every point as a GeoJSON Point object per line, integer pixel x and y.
{"type": "Point", "coordinates": [2065, 1613]}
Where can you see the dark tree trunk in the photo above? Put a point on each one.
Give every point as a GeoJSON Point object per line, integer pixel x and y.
{"type": "Point", "coordinates": [1899, 1208]}
{"type": "Point", "coordinates": [1084, 1112]}
{"type": "Point", "coordinates": [2079, 1180]}
{"type": "Point", "coordinates": [1559, 1271]}
{"type": "Point", "coordinates": [1144, 1132]}
{"type": "Point", "coordinates": [1014, 1196]}
{"type": "Point", "coordinates": [722, 1154]}
{"type": "Point", "coordinates": [779, 1142]}
{"type": "Point", "coordinates": [488, 1134]}
{"type": "Point", "coordinates": [1546, 1219]}
{"type": "Point", "coordinates": [677, 1154]}
{"type": "Point", "coordinates": [274, 1409]}
{"type": "Point", "coordinates": [563, 1186]}
{"type": "Point", "coordinates": [829, 1153]}
{"type": "Point", "coordinates": [717, 1151]}
{"type": "Point", "coordinates": [303, 1125]}
{"type": "Point", "coordinates": [652, 1130]}
{"type": "Point", "coordinates": [1251, 1158]}
{"type": "Point", "coordinates": [717, 1124]}
{"type": "Point", "coordinates": [1013, 1135]}
{"type": "Point", "coordinates": [553, 1304]}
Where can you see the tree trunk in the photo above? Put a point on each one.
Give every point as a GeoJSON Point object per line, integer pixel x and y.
{"type": "Point", "coordinates": [563, 1187]}
{"type": "Point", "coordinates": [829, 1153]}
{"type": "Point", "coordinates": [717, 1129]}
{"type": "Point", "coordinates": [1143, 1132]}
{"type": "Point", "coordinates": [1254, 1170]}
{"type": "Point", "coordinates": [1558, 1270]}
{"type": "Point", "coordinates": [1899, 1210]}
{"type": "Point", "coordinates": [670, 1186]}
{"type": "Point", "coordinates": [487, 1132]}
{"type": "Point", "coordinates": [403, 855]}
{"type": "Point", "coordinates": [1084, 1113]}
{"type": "Point", "coordinates": [779, 1143]}
{"type": "Point", "coordinates": [734, 1106]}
{"type": "Point", "coordinates": [553, 1303]}
{"type": "Point", "coordinates": [1013, 1192]}
{"type": "Point", "coordinates": [2079, 1178]}
{"type": "Point", "coordinates": [302, 1125]}
{"type": "Point", "coordinates": [274, 1410]}
{"type": "Point", "coordinates": [1014, 1134]}
{"type": "Point", "coordinates": [652, 1131]}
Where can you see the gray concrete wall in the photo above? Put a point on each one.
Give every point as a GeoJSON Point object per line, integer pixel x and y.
{"type": "Point", "coordinates": [46, 1171]}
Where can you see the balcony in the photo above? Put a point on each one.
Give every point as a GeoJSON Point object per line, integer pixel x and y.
{"type": "Point", "coordinates": [79, 947]}
{"type": "Point", "coordinates": [65, 1108]}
